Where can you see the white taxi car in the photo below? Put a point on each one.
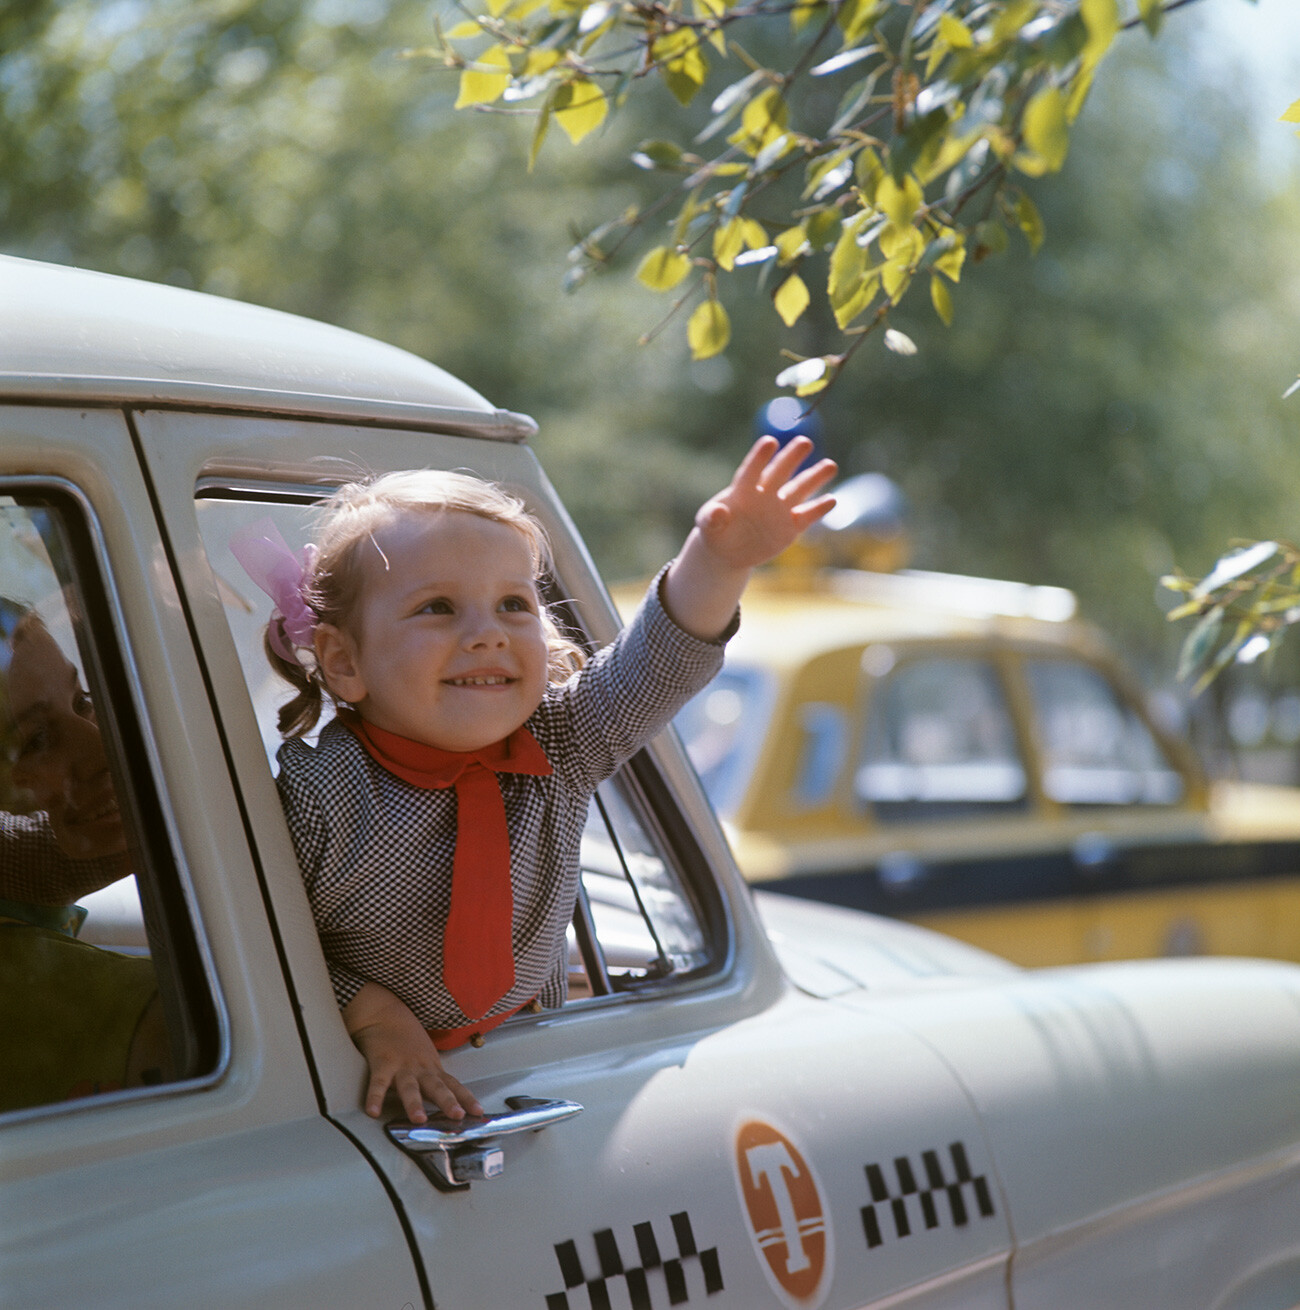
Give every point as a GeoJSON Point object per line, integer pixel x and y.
{"type": "Point", "coordinates": [790, 1106]}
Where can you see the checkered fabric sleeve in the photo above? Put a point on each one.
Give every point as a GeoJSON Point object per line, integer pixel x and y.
{"type": "Point", "coordinates": [34, 871]}
{"type": "Point", "coordinates": [630, 690]}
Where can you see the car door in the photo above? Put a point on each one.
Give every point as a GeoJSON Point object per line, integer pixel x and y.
{"type": "Point", "coordinates": [161, 1130]}
{"type": "Point", "coordinates": [740, 1142]}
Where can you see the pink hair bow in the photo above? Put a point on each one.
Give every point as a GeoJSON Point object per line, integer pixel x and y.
{"type": "Point", "coordinates": [282, 574]}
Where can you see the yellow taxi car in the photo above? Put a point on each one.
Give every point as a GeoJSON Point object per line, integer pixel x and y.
{"type": "Point", "coordinates": [968, 754]}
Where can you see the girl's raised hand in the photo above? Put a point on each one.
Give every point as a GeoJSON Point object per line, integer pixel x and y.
{"type": "Point", "coordinates": [767, 505]}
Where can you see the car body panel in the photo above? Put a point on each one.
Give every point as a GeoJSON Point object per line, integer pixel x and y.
{"type": "Point", "coordinates": [836, 1110]}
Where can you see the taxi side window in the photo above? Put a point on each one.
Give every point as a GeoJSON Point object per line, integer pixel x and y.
{"type": "Point", "coordinates": [939, 741]}
{"type": "Point", "coordinates": [101, 990]}
{"type": "Point", "coordinates": [637, 921]}
{"type": "Point", "coordinates": [1095, 749]}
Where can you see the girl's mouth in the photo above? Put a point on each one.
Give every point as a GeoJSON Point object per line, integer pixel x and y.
{"type": "Point", "coordinates": [486, 680]}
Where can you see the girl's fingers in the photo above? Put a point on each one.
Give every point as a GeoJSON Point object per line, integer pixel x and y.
{"type": "Point", "coordinates": [784, 462]}
{"type": "Point", "coordinates": [750, 473]}
{"type": "Point", "coordinates": [812, 510]}
{"type": "Point", "coordinates": [810, 481]}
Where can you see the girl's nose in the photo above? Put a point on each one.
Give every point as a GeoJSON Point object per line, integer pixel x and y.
{"type": "Point", "coordinates": [485, 630]}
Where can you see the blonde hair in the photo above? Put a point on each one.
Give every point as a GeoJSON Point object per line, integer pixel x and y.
{"type": "Point", "coordinates": [334, 583]}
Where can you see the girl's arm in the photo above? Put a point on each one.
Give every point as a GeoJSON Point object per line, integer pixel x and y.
{"type": "Point", "coordinates": [401, 1056]}
{"type": "Point", "coordinates": [762, 512]}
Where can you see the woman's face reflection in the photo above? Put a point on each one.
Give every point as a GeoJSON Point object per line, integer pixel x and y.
{"type": "Point", "coordinates": [59, 755]}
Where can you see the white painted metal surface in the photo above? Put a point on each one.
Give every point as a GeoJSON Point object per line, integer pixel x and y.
{"type": "Point", "coordinates": [847, 1114]}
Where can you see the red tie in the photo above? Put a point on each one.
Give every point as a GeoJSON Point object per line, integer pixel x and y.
{"type": "Point", "coordinates": [478, 963]}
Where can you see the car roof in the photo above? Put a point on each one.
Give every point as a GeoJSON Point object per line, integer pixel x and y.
{"type": "Point", "coordinates": [69, 334]}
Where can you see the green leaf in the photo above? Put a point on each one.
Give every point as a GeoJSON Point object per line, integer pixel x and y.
{"type": "Point", "coordinates": [663, 268]}
{"type": "Point", "coordinates": [657, 154]}
{"type": "Point", "coordinates": [539, 132]}
{"type": "Point", "coordinates": [1199, 642]}
{"type": "Point", "coordinates": [580, 108]}
{"type": "Point", "coordinates": [1153, 15]}
{"type": "Point", "coordinates": [708, 331]}
{"type": "Point", "coordinates": [791, 299]}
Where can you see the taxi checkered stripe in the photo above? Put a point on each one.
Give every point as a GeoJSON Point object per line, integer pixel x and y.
{"type": "Point", "coordinates": [636, 1277]}
{"type": "Point", "coordinates": [940, 1194]}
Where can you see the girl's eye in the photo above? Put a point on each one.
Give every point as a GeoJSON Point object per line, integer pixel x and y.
{"type": "Point", "coordinates": [82, 705]}
{"type": "Point", "coordinates": [438, 606]}
{"type": "Point", "coordinates": [517, 605]}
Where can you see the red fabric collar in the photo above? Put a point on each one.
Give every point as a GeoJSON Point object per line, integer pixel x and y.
{"type": "Point", "coordinates": [431, 768]}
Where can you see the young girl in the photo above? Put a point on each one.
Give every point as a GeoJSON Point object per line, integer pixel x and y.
{"type": "Point", "coordinates": [438, 820]}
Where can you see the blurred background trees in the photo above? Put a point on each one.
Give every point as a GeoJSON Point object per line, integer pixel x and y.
{"type": "Point", "coordinates": [1095, 415]}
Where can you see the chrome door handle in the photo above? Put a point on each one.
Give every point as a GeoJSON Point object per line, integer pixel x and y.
{"type": "Point", "coordinates": [455, 1152]}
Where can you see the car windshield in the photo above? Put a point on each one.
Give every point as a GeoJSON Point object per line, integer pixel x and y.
{"type": "Point", "coordinates": [723, 729]}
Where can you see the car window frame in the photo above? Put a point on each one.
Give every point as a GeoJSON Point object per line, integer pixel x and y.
{"type": "Point", "coordinates": [188, 983]}
{"type": "Point", "coordinates": [639, 778]}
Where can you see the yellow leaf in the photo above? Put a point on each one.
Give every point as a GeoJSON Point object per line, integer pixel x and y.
{"type": "Point", "coordinates": [848, 263]}
{"type": "Point", "coordinates": [812, 388]}
{"type": "Point", "coordinates": [895, 276]}
{"type": "Point", "coordinates": [1046, 133]}
{"type": "Point", "coordinates": [868, 172]}
{"type": "Point", "coordinates": [479, 84]}
{"type": "Point", "coordinates": [791, 299]}
{"type": "Point", "coordinates": [791, 243]}
{"type": "Point", "coordinates": [728, 242]}
{"type": "Point", "coordinates": [683, 66]}
{"type": "Point", "coordinates": [708, 330]}
{"type": "Point", "coordinates": [539, 133]}
{"type": "Point", "coordinates": [803, 13]}
{"type": "Point", "coordinates": [713, 9]}
{"type": "Point", "coordinates": [955, 32]}
{"type": "Point", "coordinates": [1292, 115]}
{"type": "Point", "coordinates": [539, 61]}
{"type": "Point", "coordinates": [580, 108]}
{"type": "Point", "coordinates": [904, 245]}
{"type": "Point", "coordinates": [763, 120]}
{"type": "Point", "coordinates": [1031, 223]}
{"type": "Point", "coordinates": [464, 31]}
{"type": "Point", "coordinates": [950, 262]}
{"type": "Point", "coordinates": [663, 268]}
{"type": "Point", "coordinates": [855, 17]}
{"type": "Point", "coordinates": [899, 204]}
{"type": "Point", "coordinates": [941, 299]}
{"type": "Point", "coordinates": [1101, 18]}
{"type": "Point", "coordinates": [1013, 18]}
{"type": "Point", "coordinates": [755, 233]}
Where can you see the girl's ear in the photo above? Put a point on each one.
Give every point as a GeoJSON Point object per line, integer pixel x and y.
{"type": "Point", "coordinates": [336, 657]}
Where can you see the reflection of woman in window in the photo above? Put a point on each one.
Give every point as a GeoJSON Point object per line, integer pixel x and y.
{"type": "Point", "coordinates": [74, 1019]}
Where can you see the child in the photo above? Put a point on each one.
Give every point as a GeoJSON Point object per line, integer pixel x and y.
{"type": "Point", "coordinates": [438, 820]}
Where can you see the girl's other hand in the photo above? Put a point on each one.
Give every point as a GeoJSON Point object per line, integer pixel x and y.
{"type": "Point", "coordinates": [401, 1057]}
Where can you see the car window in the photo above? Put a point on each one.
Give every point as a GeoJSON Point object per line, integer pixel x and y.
{"type": "Point", "coordinates": [101, 991]}
{"type": "Point", "coordinates": [1095, 749]}
{"type": "Point", "coordinates": [637, 921]}
{"type": "Point", "coordinates": [939, 740]}
{"type": "Point", "coordinates": [723, 728]}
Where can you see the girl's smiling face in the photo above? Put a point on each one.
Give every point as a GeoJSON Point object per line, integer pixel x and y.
{"type": "Point", "coordinates": [447, 646]}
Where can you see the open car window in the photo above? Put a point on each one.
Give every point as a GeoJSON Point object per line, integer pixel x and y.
{"type": "Point", "coordinates": [636, 922]}
{"type": "Point", "coordinates": [101, 987]}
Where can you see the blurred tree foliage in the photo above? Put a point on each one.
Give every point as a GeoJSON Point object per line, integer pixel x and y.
{"type": "Point", "coordinates": [1093, 415]}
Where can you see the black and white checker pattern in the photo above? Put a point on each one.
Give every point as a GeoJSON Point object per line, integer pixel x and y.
{"type": "Point", "coordinates": [928, 1196]}
{"type": "Point", "coordinates": [376, 852]}
{"type": "Point", "coordinates": [652, 1281]}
